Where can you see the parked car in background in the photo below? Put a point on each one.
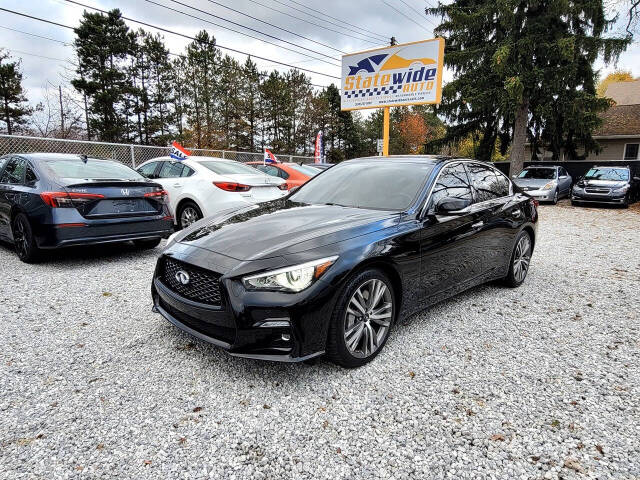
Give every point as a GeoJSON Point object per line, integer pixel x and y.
{"type": "Point", "coordinates": [615, 185]}
{"type": "Point", "coordinates": [545, 183]}
{"type": "Point", "coordinates": [55, 200]}
{"type": "Point", "coordinates": [321, 166]}
{"type": "Point", "coordinates": [202, 186]}
{"type": "Point", "coordinates": [293, 173]}
{"type": "Point", "coordinates": [331, 267]}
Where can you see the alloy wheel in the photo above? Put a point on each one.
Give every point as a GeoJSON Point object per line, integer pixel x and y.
{"type": "Point", "coordinates": [521, 258]}
{"type": "Point", "coordinates": [188, 216]}
{"type": "Point", "coordinates": [20, 238]}
{"type": "Point", "coordinates": [555, 197]}
{"type": "Point", "coordinates": [368, 318]}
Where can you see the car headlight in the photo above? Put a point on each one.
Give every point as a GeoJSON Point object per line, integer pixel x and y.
{"type": "Point", "coordinates": [624, 189]}
{"type": "Point", "coordinates": [549, 186]}
{"type": "Point", "coordinates": [290, 279]}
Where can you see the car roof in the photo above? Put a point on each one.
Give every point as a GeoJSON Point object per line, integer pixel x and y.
{"type": "Point", "coordinates": [542, 166]}
{"type": "Point", "coordinates": [57, 156]}
{"type": "Point", "coordinates": [426, 159]}
{"type": "Point", "coordinates": [191, 158]}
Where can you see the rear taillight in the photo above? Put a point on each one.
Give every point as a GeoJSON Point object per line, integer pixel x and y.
{"type": "Point", "coordinates": [160, 195]}
{"type": "Point", "coordinates": [283, 186]}
{"type": "Point", "coordinates": [232, 187]}
{"type": "Point", "coordinates": [68, 199]}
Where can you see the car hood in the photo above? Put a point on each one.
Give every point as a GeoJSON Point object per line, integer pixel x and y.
{"type": "Point", "coordinates": [604, 183]}
{"type": "Point", "coordinates": [531, 182]}
{"type": "Point", "coordinates": [282, 227]}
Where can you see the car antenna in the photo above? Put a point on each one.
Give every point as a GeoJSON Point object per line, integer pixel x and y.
{"type": "Point", "coordinates": [84, 158]}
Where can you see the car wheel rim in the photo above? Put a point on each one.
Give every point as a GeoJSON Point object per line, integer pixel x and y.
{"type": "Point", "coordinates": [20, 239]}
{"type": "Point", "coordinates": [555, 198]}
{"type": "Point", "coordinates": [189, 216]}
{"type": "Point", "coordinates": [368, 318]}
{"type": "Point", "coordinates": [521, 258]}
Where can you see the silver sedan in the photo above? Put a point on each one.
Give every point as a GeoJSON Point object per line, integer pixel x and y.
{"type": "Point", "coordinates": [545, 183]}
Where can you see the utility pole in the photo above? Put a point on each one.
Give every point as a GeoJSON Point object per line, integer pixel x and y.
{"type": "Point", "coordinates": [386, 126]}
{"type": "Point", "coordinates": [61, 110]}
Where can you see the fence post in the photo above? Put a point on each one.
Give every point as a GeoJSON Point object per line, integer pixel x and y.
{"type": "Point", "coordinates": [224, 154]}
{"type": "Point", "coordinates": [133, 157]}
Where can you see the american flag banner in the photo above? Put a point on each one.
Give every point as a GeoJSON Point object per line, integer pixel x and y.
{"type": "Point", "coordinates": [319, 153]}
{"type": "Point", "coordinates": [178, 152]}
{"type": "Point", "coordinates": [269, 157]}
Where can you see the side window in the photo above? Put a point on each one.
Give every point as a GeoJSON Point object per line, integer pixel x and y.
{"type": "Point", "coordinates": [148, 170]}
{"type": "Point", "coordinates": [485, 183]}
{"type": "Point", "coordinates": [14, 171]}
{"type": "Point", "coordinates": [187, 172]}
{"type": "Point", "coordinates": [453, 182]}
{"type": "Point", "coordinates": [30, 176]}
{"type": "Point", "coordinates": [270, 170]}
{"type": "Point", "coordinates": [282, 173]}
{"type": "Point", "coordinates": [503, 184]}
{"type": "Point", "coordinates": [170, 170]}
{"type": "Point", "coordinates": [2, 162]}
{"type": "Point", "coordinates": [563, 172]}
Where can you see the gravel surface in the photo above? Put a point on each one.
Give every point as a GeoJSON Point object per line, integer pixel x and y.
{"type": "Point", "coordinates": [538, 382]}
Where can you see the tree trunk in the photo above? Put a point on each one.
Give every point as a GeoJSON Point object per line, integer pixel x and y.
{"type": "Point", "coordinates": [519, 138]}
{"type": "Point", "coordinates": [7, 115]}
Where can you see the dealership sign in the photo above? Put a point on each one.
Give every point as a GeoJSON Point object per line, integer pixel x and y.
{"type": "Point", "coordinates": [407, 74]}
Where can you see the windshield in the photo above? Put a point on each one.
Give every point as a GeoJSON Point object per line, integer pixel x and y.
{"type": "Point", "coordinates": [92, 170]}
{"type": "Point", "coordinates": [383, 186]}
{"type": "Point", "coordinates": [305, 169]}
{"type": "Point", "coordinates": [607, 173]}
{"type": "Point", "coordinates": [228, 168]}
{"type": "Point", "coordinates": [540, 173]}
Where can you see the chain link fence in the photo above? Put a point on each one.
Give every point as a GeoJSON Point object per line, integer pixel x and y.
{"type": "Point", "coordinates": [131, 155]}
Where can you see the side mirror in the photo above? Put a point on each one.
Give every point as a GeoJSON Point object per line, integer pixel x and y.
{"type": "Point", "coordinates": [514, 176]}
{"type": "Point", "coordinates": [451, 206]}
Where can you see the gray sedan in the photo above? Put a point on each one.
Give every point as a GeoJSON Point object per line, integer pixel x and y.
{"type": "Point", "coordinates": [546, 183]}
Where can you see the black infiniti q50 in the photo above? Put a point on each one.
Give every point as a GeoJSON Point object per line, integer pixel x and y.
{"type": "Point", "coordinates": [330, 268]}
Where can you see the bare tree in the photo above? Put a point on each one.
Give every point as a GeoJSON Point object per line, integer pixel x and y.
{"type": "Point", "coordinates": [60, 114]}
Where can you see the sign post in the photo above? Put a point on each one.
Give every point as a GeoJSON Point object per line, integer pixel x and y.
{"type": "Point", "coordinates": [405, 74]}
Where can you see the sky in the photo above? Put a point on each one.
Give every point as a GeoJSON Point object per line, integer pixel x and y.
{"type": "Point", "coordinates": [370, 24]}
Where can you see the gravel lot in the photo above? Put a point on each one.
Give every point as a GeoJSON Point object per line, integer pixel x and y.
{"type": "Point", "coordinates": [537, 382]}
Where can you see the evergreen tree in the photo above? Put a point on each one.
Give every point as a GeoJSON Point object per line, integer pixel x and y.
{"type": "Point", "coordinates": [103, 46]}
{"type": "Point", "coordinates": [510, 58]}
{"type": "Point", "coordinates": [15, 110]}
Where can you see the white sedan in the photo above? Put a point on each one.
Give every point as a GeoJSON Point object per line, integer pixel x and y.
{"type": "Point", "coordinates": [202, 186]}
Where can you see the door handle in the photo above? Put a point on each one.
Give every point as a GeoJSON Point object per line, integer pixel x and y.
{"type": "Point", "coordinates": [477, 224]}
{"type": "Point", "coordinates": [177, 184]}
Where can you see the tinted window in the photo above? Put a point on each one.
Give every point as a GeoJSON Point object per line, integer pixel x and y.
{"type": "Point", "coordinates": [453, 182]}
{"type": "Point", "coordinates": [607, 173]}
{"type": "Point", "coordinates": [170, 170]}
{"type": "Point", "coordinates": [2, 162]}
{"type": "Point", "coordinates": [269, 170]}
{"type": "Point", "coordinates": [14, 171]}
{"type": "Point", "coordinates": [562, 172]}
{"type": "Point", "coordinates": [503, 184]}
{"type": "Point", "coordinates": [387, 186]}
{"type": "Point", "coordinates": [228, 168]}
{"type": "Point", "coordinates": [631, 151]}
{"type": "Point", "coordinates": [149, 170]}
{"type": "Point", "coordinates": [540, 173]}
{"type": "Point", "coordinates": [29, 175]}
{"type": "Point", "coordinates": [305, 169]}
{"type": "Point", "coordinates": [187, 172]}
{"type": "Point", "coordinates": [91, 170]}
{"type": "Point", "coordinates": [485, 183]}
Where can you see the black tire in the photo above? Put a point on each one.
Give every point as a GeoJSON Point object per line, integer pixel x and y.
{"type": "Point", "coordinates": [575, 204]}
{"type": "Point", "coordinates": [186, 208]}
{"type": "Point", "coordinates": [147, 243]}
{"type": "Point", "coordinates": [337, 349]}
{"type": "Point", "coordinates": [23, 241]}
{"type": "Point", "coordinates": [514, 278]}
{"type": "Point", "coordinates": [555, 197]}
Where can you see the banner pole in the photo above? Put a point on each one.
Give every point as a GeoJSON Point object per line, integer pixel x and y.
{"type": "Point", "coordinates": [385, 133]}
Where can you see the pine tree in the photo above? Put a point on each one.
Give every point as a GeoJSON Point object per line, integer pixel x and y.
{"type": "Point", "coordinates": [103, 45]}
{"type": "Point", "coordinates": [15, 110]}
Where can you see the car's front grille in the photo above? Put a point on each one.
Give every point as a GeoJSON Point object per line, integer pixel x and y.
{"type": "Point", "coordinates": [191, 282]}
{"type": "Point", "coordinates": [598, 190]}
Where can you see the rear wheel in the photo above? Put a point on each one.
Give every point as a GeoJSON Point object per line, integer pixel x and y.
{"type": "Point", "coordinates": [520, 259]}
{"type": "Point", "coordinates": [23, 241]}
{"type": "Point", "coordinates": [147, 243]}
{"type": "Point", "coordinates": [189, 213]}
{"type": "Point", "coordinates": [361, 319]}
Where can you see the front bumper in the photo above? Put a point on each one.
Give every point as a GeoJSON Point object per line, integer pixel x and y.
{"type": "Point", "coordinates": [541, 195]}
{"type": "Point", "coordinates": [612, 198]}
{"type": "Point", "coordinates": [274, 326]}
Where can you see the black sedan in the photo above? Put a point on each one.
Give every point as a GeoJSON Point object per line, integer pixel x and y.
{"type": "Point", "coordinates": [54, 200]}
{"type": "Point", "coordinates": [330, 268]}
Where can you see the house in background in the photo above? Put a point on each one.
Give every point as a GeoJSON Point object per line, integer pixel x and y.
{"type": "Point", "coordinates": [619, 134]}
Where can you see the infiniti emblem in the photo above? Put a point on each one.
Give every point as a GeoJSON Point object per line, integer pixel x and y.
{"type": "Point", "coordinates": [183, 277]}
{"type": "Point", "coordinates": [124, 191]}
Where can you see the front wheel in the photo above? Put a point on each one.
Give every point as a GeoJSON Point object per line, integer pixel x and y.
{"type": "Point", "coordinates": [555, 198]}
{"type": "Point", "coordinates": [23, 240]}
{"type": "Point", "coordinates": [361, 319]}
{"type": "Point", "coordinates": [520, 259]}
